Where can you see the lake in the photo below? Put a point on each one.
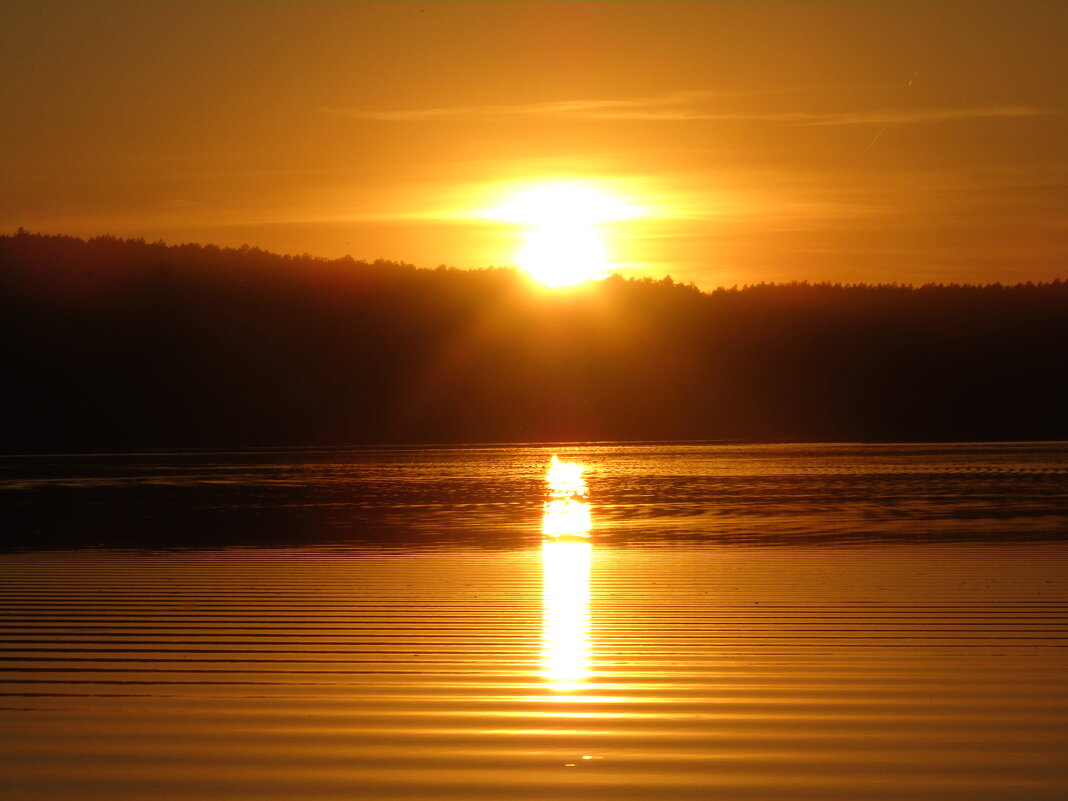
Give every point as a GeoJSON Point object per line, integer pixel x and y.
{"type": "Point", "coordinates": [681, 621]}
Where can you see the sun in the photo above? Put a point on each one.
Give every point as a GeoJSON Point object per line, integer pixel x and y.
{"type": "Point", "coordinates": [563, 243]}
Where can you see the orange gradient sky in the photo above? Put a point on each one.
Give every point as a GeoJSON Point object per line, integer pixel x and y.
{"type": "Point", "coordinates": [872, 141]}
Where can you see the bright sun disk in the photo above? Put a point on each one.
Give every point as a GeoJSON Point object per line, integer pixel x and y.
{"type": "Point", "coordinates": [562, 244]}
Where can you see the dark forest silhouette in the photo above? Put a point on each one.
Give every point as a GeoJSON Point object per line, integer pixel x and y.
{"type": "Point", "coordinates": [118, 344]}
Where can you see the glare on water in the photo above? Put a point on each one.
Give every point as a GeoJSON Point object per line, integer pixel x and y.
{"type": "Point", "coordinates": [566, 559]}
{"type": "Point", "coordinates": [566, 513]}
{"type": "Point", "coordinates": [566, 613]}
{"type": "Point", "coordinates": [565, 478]}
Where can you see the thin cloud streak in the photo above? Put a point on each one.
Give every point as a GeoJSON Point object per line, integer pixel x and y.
{"type": "Point", "coordinates": [562, 108]}
{"type": "Point", "coordinates": [688, 107]}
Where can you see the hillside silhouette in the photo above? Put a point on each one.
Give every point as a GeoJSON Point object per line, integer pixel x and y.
{"type": "Point", "coordinates": [118, 344]}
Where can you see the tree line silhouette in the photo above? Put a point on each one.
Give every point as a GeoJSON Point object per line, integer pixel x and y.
{"type": "Point", "coordinates": [123, 344]}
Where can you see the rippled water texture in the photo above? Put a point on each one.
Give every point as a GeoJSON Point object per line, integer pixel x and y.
{"type": "Point", "coordinates": [705, 622]}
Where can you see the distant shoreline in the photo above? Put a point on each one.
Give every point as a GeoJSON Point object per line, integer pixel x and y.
{"type": "Point", "coordinates": [120, 345]}
{"type": "Point", "coordinates": [402, 446]}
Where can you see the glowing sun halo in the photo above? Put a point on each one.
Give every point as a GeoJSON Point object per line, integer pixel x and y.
{"type": "Point", "coordinates": [562, 244]}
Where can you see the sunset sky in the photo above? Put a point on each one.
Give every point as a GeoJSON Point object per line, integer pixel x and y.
{"type": "Point", "coordinates": [873, 141]}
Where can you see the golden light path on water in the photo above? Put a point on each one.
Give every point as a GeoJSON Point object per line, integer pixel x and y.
{"type": "Point", "coordinates": [566, 512]}
{"type": "Point", "coordinates": [566, 559]}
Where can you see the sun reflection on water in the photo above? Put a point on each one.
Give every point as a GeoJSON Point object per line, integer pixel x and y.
{"type": "Point", "coordinates": [566, 512]}
{"type": "Point", "coordinates": [566, 613]}
{"type": "Point", "coordinates": [566, 558]}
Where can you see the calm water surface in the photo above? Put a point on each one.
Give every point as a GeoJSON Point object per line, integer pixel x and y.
{"type": "Point", "coordinates": [703, 622]}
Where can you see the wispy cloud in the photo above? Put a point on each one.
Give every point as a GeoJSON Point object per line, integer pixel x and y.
{"type": "Point", "coordinates": [689, 106]}
{"type": "Point", "coordinates": [904, 116]}
{"type": "Point", "coordinates": [585, 109]}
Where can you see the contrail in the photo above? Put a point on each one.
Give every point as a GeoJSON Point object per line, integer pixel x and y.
{"type": "Point", "coordinates": [879, 133]}
{"type": "Point", "coordinates": [875, 138]}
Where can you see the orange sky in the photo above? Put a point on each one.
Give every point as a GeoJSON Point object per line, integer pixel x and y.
{"type": "Point", "coordinates": [866, 141]}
